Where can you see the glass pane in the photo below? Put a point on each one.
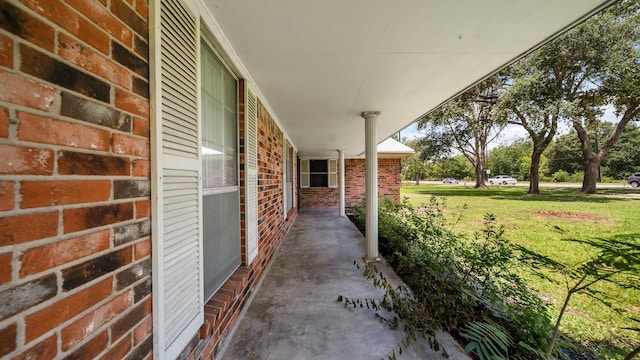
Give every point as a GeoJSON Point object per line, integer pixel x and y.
{"type": "Point", "coordinates": [221, 246]}
{"type": "Point", "coordinates": [219, 127]}
{"type": "Point", "coordinates": [319, 180]}
{"type": "Point", "coordinates": [318, 166]}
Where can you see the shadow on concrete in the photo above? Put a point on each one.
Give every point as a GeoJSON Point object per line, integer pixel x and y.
{"type": "Point", "coordinates": [294, 313]}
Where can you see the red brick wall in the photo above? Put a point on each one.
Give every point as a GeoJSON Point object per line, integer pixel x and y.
{"type": "Point", "coordinates": [223, 310]}
{"type": "Point", "coordinates": [388, 180]}
{"type": "Point", "coordinates": [318, 197]}
{"type": "Point", "coordinates": [74, 179]}
{"type": "Point", "coordinates": [354, 183]}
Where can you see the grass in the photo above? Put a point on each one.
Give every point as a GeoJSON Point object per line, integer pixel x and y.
{"type": "Point", "coordinates": [540, 222]}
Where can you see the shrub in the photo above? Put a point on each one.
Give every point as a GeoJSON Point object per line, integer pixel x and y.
{"type": "Point", "coordinates": [560, 176]}
{"type": "Point", "coordinates": [455, 281]}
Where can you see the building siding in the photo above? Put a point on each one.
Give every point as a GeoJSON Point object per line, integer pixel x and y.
{"type": "Point", "coordinates": [389, 182]}
{"type": "Point", "coordinates": [74, 180]}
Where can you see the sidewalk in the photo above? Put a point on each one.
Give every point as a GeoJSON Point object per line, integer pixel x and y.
{"type": "Point", "coordinates": [294, 313]}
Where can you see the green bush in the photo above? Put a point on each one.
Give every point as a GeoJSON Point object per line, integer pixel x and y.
{"type": "Point", "coordinates": [456, 281]}
{"type": "Point", "coordinates": [560, 176]}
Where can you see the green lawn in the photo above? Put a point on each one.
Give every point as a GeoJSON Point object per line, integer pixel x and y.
{"type": "Point", "coordinates": [540, 222]}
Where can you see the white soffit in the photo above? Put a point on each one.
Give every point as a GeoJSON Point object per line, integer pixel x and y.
{"type": "Point", "coordinates": [321, 63]}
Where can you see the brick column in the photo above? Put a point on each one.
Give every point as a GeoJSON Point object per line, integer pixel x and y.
{"type": "Point", "coordinates": [371, 170]}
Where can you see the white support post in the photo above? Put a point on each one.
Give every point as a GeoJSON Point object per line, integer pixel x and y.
{"type": "Point", "coordinates": [341, 182]}
{"type": "Point", "coordinates": [371, 169]}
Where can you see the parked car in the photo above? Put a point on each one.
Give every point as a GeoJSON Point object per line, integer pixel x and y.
{"type": "Point", "coordinates": [634, 180]}
{"type": "Point", "coordinates": [503, 180]}
{"type": "Point", "coordinates": [449, 181]}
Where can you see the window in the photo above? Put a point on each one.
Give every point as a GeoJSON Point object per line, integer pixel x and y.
{"type": "Point", "coordinates": [219, 123]}
{"type": "Point", "coordinates": [318, 173]}
{"type": "Point", "coordinates": [221, 194]}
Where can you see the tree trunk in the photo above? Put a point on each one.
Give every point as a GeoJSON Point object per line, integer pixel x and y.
{"type": "Point", "coordinates": [534, 172]}
{"type": "Point", "coordinates": [480, 178]}
{"type": "Point", "coordinates": [591, 166]}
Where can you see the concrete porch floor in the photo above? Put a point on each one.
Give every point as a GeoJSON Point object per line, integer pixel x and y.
{"type": "Point", "coordinates": [294, 313]}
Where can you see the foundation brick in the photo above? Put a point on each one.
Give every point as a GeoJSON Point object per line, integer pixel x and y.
{"type": "Point", "coordinates": [41, 258]}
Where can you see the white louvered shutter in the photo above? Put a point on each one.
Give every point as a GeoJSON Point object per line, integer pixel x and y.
{"type": "Point", "coordinates": [304, 173]}
{"type": "Point", "coordinates": [178, 306]}
{"type": "Point", "coordinates": [251, 148]}
{"type": "Point", "coordinates": [333, 173]}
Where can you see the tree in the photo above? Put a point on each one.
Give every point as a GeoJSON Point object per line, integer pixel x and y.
{"type": "Point", "coordinates": [413, 168]}
{"type": "Point", "coordinates": [455, 167]}
{"type": "Point", "coordinates": [466, 125]}
{"type": "Point", "coordinates": [564, 154]}
{"type": "Point", "coordinates": [513, 159]}
{"type": "Point", "coordinates": [573, 77]}
{"type": "Point", "coordinates": [624, 157]}
{"type": "Point", "coordinates": [532, 100]}
{"type": "Point", "coordinates": [606, 56]}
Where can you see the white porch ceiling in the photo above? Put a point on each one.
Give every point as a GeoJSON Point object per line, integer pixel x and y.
{"type": "Point", "coordinates": [320, 63]}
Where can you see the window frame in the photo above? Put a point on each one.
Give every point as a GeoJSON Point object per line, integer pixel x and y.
{"type": "Point", "coordinates": [305, 176]}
